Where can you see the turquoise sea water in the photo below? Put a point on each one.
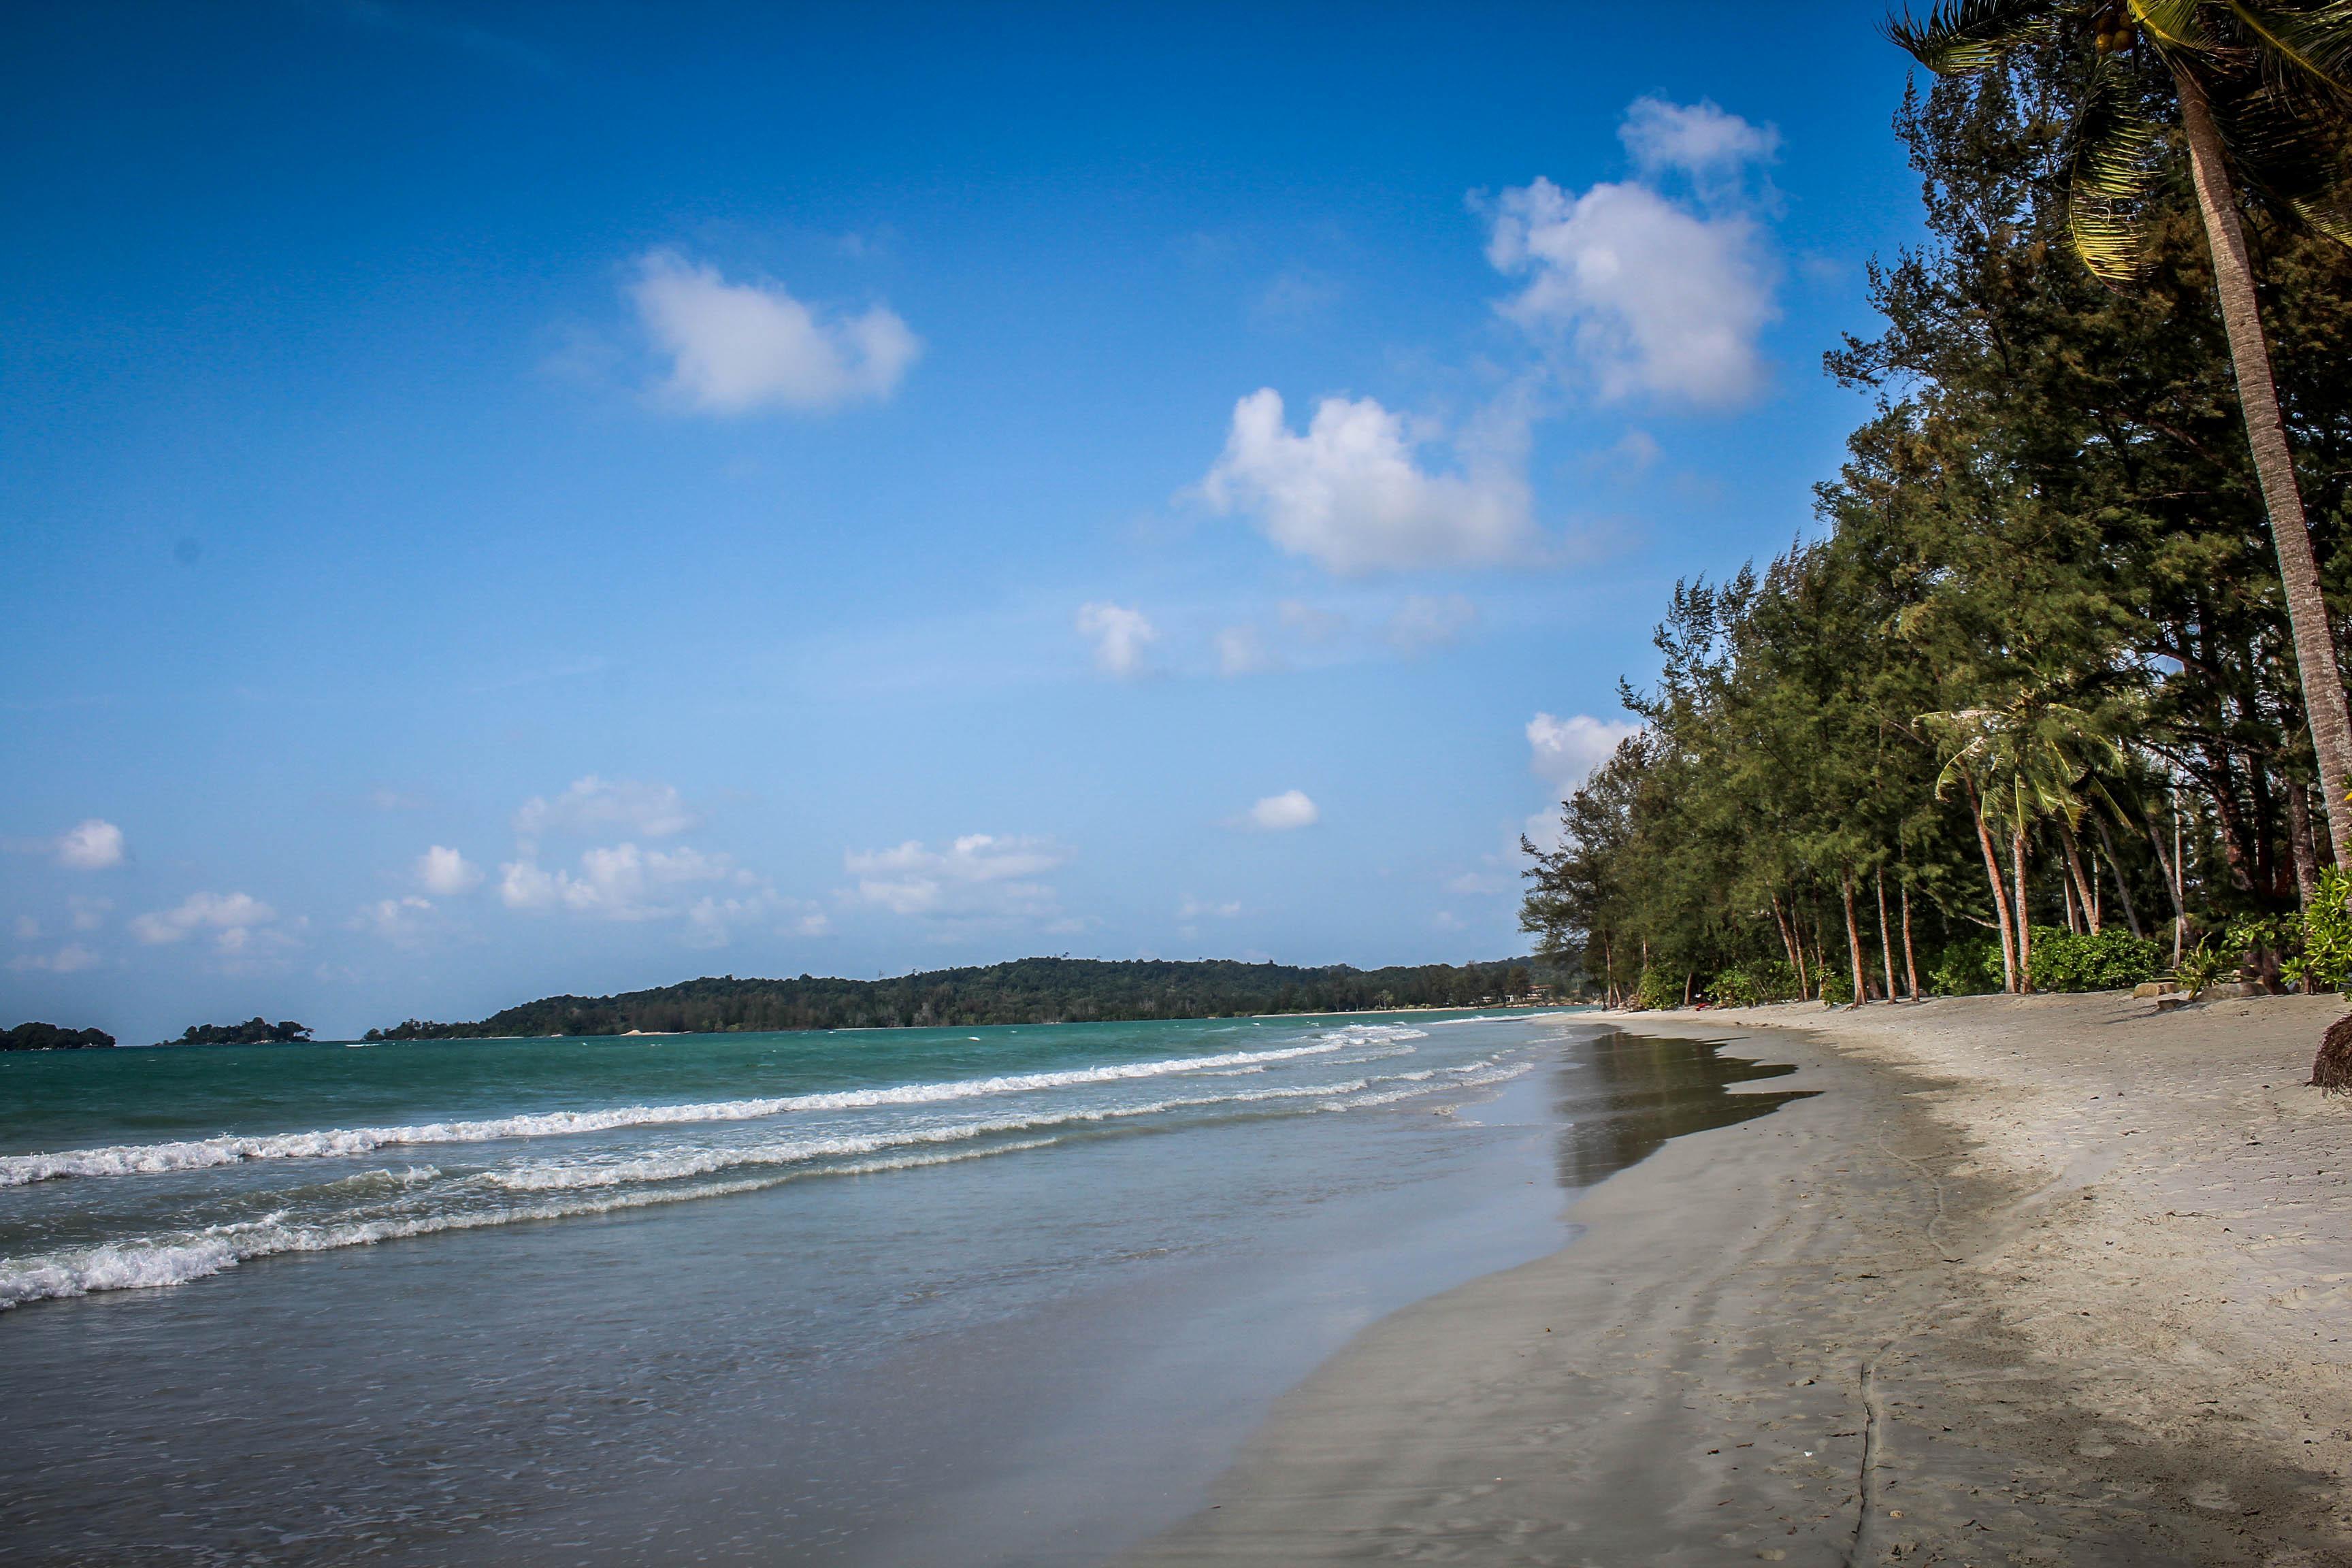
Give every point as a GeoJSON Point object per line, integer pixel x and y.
{"type": "Point", "coordinates": [938, 1295]}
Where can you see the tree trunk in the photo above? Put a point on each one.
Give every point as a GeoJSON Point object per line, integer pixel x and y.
{"type": "Point", "coordinates": [1999, 898]}
{"type": "Point", "coordinates": [1788, 944]}
{"type": "Point", "coordinates": [2074, 869]}
{"type": "Point", "coordinates": [2123, 891]}
{"type": "Point", "coordinates": [2258, 401]}
{"type": "Point", "coordinates": [2298, 833]}
{"type": "Point", "coordinates": [1885, 941]}
{"type": "Point", "coordinates": [1910, 959]}
{"type": "Point", "coordinates": [1854, 941]}
{"type": "Point", "coordinates": [2024, 918]}
{"type": "Point", "coordinates": [1690, 978]}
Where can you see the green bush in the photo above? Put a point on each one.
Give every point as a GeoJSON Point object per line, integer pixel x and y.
{"type": "Point", "coordinates": [1758, 980]}
{"type": "Point", "coordinates": [1837, 987]}
{"type": "Point", "coordinates": [1658, 989]}
{"type": "Point", "coordinates": [2111, 961]}
{"type": "Point", "coordinates": [1967, 968]}
{"type": "Point", "coordinates": [2325, 955]}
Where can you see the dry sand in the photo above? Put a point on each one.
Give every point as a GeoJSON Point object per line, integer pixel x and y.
{"type": "Point", "coordinates": [2043, 1280]}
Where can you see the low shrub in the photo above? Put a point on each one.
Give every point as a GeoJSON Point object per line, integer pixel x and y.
{"type": "Point", "coordinates": [1758, 980]}
{"type": "Point", "coordinates": [2112, 960]}
{"type": "Point", "coordinates": [1967, 968]}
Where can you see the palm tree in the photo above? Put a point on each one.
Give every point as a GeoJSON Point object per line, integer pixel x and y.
{"type": "Point", "coordinates": [2263, 93]}
{"type": "Point", "coordinates": [2016, 763]}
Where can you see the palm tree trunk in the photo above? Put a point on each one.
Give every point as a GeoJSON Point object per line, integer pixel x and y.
{"type": "Point", "coordinates": [2306, 608]}
{"type": "Point", "coordinates": [2074, 869]}
{"type": "Point", "coordinates": [2024, 922]}
{"type": "Point", "coordinates": [2123, 891]}
{"type": "Point", "coordinates": [1999, 898]}
{"type": "Point", "coordinates": [1885, 942]}
{"type": "Point", "coordinates": [1854, 941]}
{"type": "Point", "coordinates": [1910, 959]}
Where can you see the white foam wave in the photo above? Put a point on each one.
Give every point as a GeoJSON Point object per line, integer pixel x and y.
{"type": "Point", "coordinates": [152, 1159]}
{"type": "Point", "coordinates": [149, 1265]}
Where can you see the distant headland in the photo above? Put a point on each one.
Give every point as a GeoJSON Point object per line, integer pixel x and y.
{"type": "Point", "coordinates": [1029, 991]}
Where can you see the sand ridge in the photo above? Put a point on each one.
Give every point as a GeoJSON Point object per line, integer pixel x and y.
{"type": "Point", "coordinates": [2032, 1280]}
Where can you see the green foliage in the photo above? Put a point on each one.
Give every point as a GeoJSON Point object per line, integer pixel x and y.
{"type": "Point", "coordinates": [1970, 966]}
{"type": "Point", "coordinates": [1029, 991]}
{"type": "Point", "coordinates": [50, 1038]}
{"type": "Point", "coordinates": [1837, 987]}
{"type": "Point", "coordinates": [2203, 965]}
{"type": "Point", "coordinates": [2112, 960]}
{"type": "Point", "coordinates": [2324, 958]}
{"type": "Point", "coordinates": [1757, 981]}
{"type": "Point", "coordinates": [1656, 988]}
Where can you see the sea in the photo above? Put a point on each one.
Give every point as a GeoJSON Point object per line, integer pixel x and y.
{"type": "Point", "coordinates": [956, 1297]}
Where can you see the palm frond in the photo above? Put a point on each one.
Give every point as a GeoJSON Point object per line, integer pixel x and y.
{"type": "Point", "coordinates": [2314, 41]}
{"type": "Point", "coordinates": [2110, 167]}
{"type": "Point", "coordinates": [2175, 24]}
{"type": "Point", "coordinates": [1958, 37]}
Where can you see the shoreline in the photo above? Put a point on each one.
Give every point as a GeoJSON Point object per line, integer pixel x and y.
{"type": "Point", "coordinates": [2031, 1279]}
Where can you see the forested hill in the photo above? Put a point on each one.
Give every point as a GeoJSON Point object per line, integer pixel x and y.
{"type": "Point", "coordinates": [1032, 991]}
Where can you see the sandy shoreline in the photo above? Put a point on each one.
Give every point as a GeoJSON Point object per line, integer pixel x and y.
{"type": "Point", "coordinates": [2030, 1280]}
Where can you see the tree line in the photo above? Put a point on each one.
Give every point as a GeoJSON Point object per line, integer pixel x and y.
{"type": "Point", "coordinates": [2051, 700]}
{"type": "Point", "coordinates": [1029, 991]}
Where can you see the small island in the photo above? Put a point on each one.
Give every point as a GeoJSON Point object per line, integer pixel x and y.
{"type": "Point", "coordinates": [254, 1031]}
{"type": "Point", "coordinates": [30, 1036]}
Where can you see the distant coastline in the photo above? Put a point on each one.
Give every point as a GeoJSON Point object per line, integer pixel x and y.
{"type": "Point", "coordinates": [1028, 991]}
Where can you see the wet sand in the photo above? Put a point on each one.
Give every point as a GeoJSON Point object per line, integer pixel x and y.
{"type": "Point", "coordinates": [2030, 1280]}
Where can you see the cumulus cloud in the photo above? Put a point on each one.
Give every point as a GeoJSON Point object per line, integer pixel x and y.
{"type": "Point", "coordinates": [593, 806]}
{"type": "Point", "coordinates": [734, 347]}
{"type": "Point", "coordinates": [237, 922]}
{"type": "Point", "coordinates": [1565, 750]}
{"type": "Point", "coordinates": [91, 845]}
{"type": "Point", "coordinates": [446, 872]}
{"type": "Point", "coordinates": [621, 883]}
{"type": "Point", "coordinates": [1121, 637]}
{"type": "Point", "coordinates": [980, 876]}
{"type": "Point", "coordinates": [1282, 813]}
{"type": "Point", "coordinates": [1351, 494]}
{"type": "Point", "coordinates": [1700, 140]}
{"type": "Point", "coordinates": [1649, 294]}
{"type": "Point", "coordinates": [1421, 622]}
{"type": "Point", "coordinates": [70, 959]}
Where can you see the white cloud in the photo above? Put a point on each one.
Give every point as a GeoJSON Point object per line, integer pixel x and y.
{"type": "Point", "coordinates": [1650, 294]}
{"type": "Point", "coordinates": [396, 920]}
{"type": "Point", "coordinates": [1120, 637]}
{"type": "Point", "coordinates": [1281, 813]}
{"type": "Point", "coordinates": [445, 871]}
{"type": "Point", "coordinates": [91, 845]}
{"type": "Point", "coordinates": [1478, 882]}
{"type": "Point", "coordinates": [1700, 140]}
{"type": "Point", "coordinates": [622, 882]}
{"type": "Point", "coordinates": [1424, 623]}
{"type": "Point", "coordinates": [237, 922]}
{"type": "Point", "coordinates": [592, 806]}
{"type": "Point", "coordinates": [734, 347]}
{"type": "Point", "coordinates": [68, 960]}
{"type": "Point", "coordinates": [1242, 651]}
{"type": "Point", "coordinates": [1564, 751]}
{"type": "Point", "coordinates": [1351, 494]}
{"type": "Point", "coordinates": [89, 914]}
{"type": "Point", "coordinates": [980, 876]}
{"type": "Point", "coordinates": [1312, 625]}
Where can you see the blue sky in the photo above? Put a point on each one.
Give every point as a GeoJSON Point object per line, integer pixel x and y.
{"type": "Point", "coordinates": [502, 499]}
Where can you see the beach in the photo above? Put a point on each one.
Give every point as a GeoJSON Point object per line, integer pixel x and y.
{"type": "Point", "coordinates": [2041, 1279]}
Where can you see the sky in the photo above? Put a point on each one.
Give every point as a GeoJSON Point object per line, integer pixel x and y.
{"type": "Point", "coordinates": [503, 500]}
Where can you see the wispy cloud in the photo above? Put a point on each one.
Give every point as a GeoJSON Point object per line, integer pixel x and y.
{"type": "Point", "coordinates": [980, 875]}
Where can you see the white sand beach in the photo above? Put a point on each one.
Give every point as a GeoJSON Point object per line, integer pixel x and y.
{"type": "Point", "coordinates": [2041, 1279]}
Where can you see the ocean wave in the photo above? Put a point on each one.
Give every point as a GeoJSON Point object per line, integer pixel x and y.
{"type": "Point", "coordinates": [200, 1154]}
{"type": "Point", "coordinates": [148, 1265]}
